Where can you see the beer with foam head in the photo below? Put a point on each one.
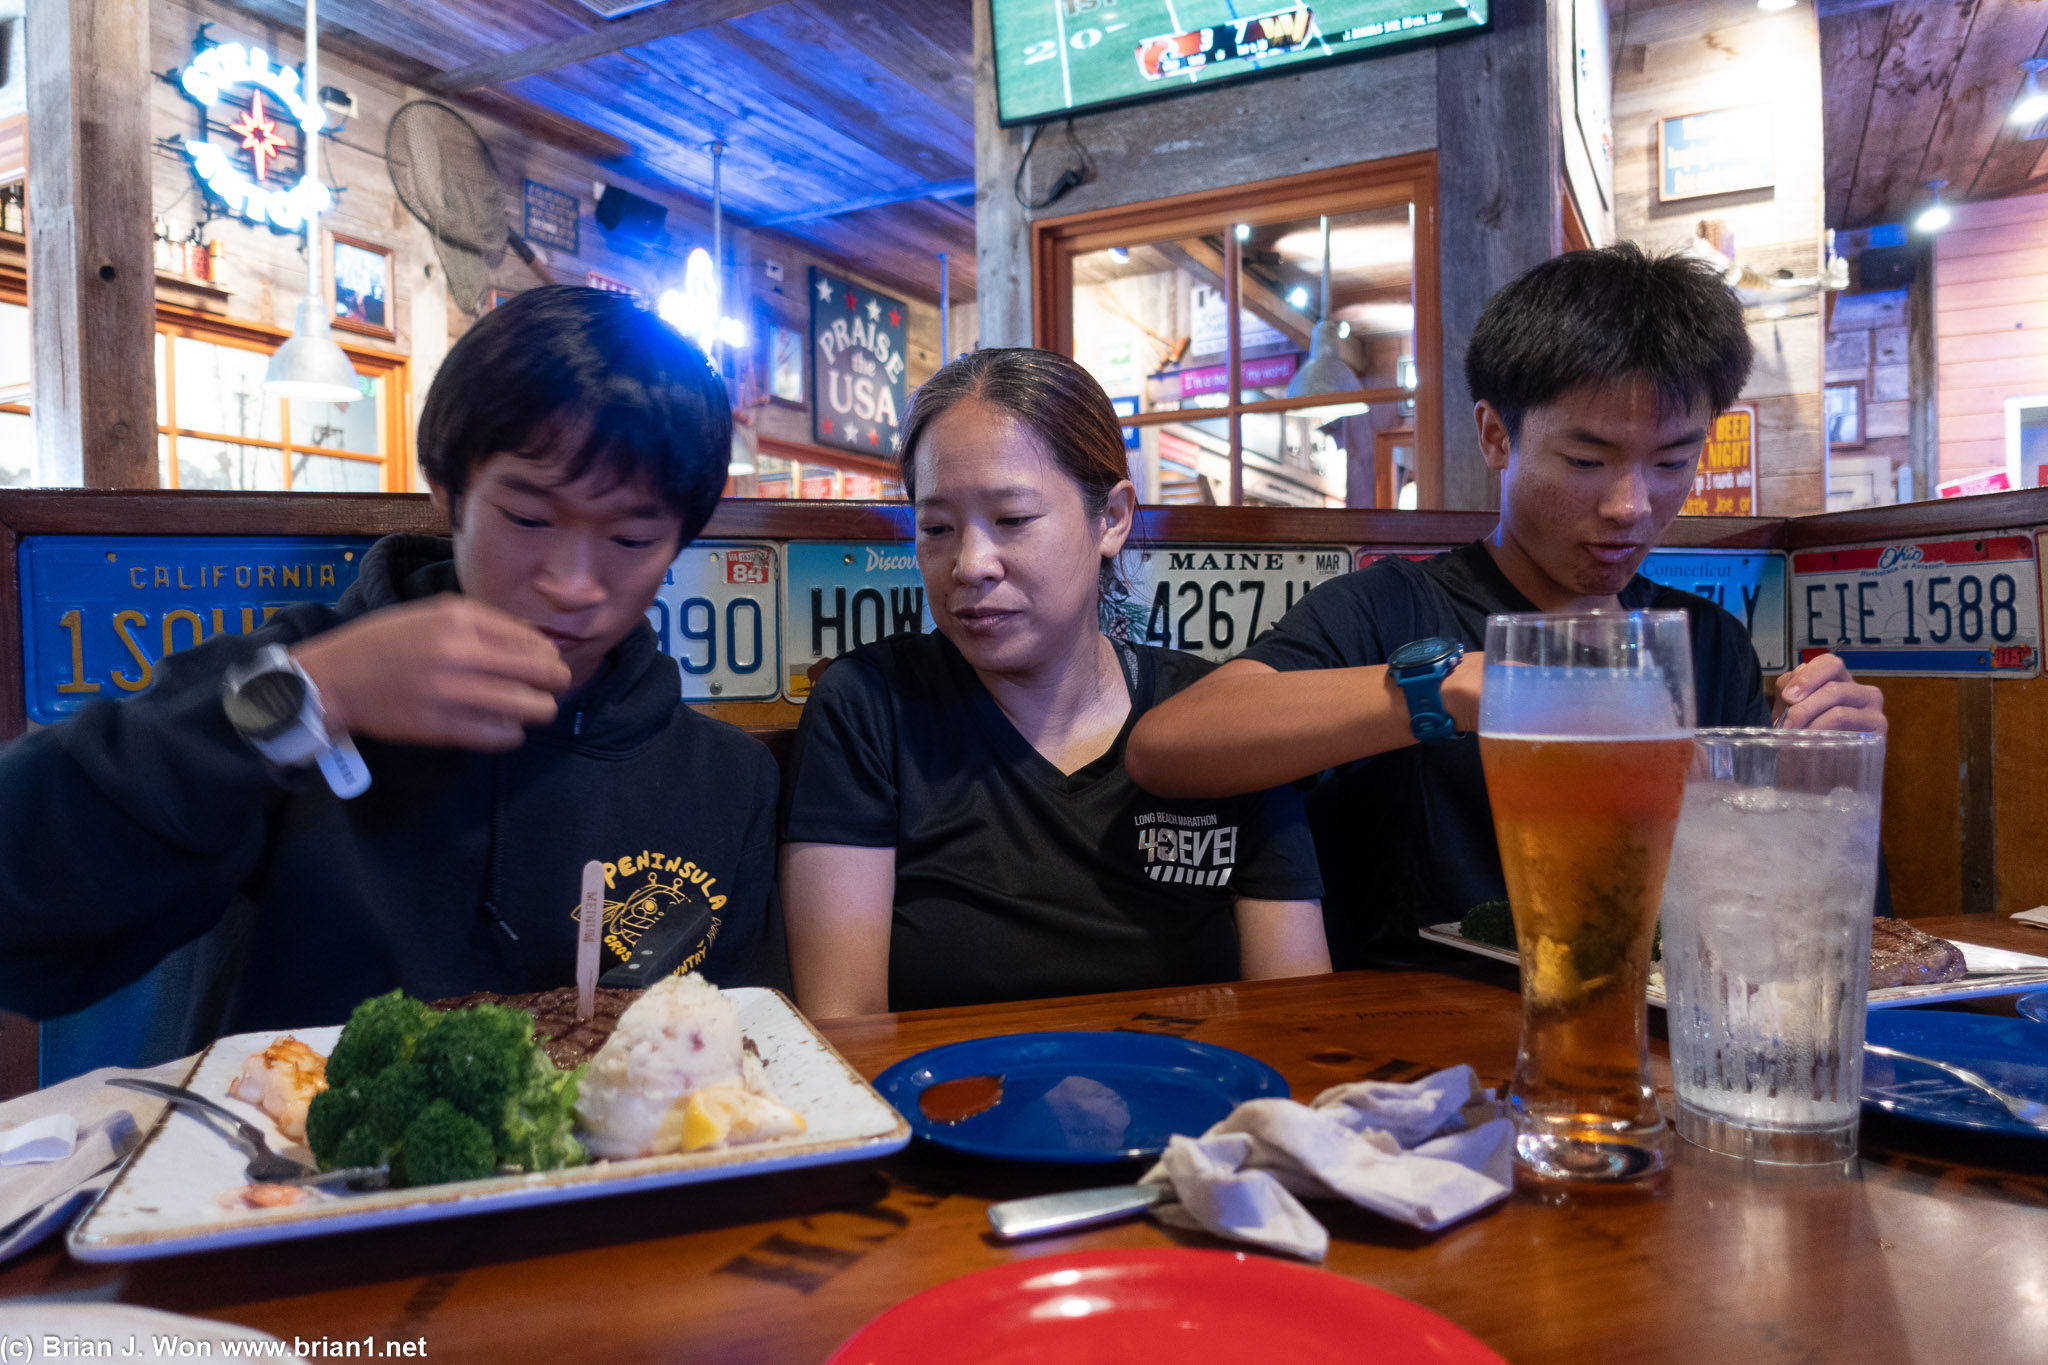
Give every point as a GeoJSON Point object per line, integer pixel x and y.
{"type": "Point", "coordinates": [1585, 725]}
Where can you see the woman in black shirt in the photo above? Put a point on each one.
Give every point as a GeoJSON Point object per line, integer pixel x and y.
{"type": "Point", "coordinates": [958, 826]}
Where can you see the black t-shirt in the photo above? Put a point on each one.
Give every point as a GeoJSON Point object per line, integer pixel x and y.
{"type": "Point", "coordinates": [1406, 837]}
{"type": "Point", "coordinates": [1013, 880]}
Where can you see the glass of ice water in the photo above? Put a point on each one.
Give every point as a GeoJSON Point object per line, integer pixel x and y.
{"type": "Point", "coordinates": [1766, 913]}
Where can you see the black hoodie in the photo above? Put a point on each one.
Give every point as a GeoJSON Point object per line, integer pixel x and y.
{"type": "Point", "coordinates": [147, 829]}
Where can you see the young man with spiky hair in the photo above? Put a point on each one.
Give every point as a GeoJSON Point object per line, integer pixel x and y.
{"type": "Point", "coordinates": [401, 790]}
{"type": "Point", "coordinates": [1596, 378]}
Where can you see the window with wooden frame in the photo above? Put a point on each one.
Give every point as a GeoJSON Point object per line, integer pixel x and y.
{"type": "Point", "coordinates": [1197, 313]}
{"type": "Point", "coordinates": [216, 428]}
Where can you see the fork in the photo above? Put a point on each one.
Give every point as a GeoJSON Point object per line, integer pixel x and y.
{"type": "Point", "coordinates": [265, 1166]}
{"type": "Point", "coordinates": [2026, 1111]}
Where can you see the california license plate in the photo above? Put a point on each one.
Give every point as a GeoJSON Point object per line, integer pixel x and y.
{"type": "Point", "coordinates": [840, 595]}
{"type": "Point", "coordinates": [1213, 600]}
{"type": "Point", "coordinates": [1961, 608]}
{"type": "Point", "coordinates": [99, 613]}
{"type": "Point", "coordinates": [716, 616]}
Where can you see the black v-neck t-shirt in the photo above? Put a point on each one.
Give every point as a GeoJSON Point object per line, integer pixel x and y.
{"type": "Point", "coordinates": [1014, 880]}
{"type": "Point", "coordinates": [1406, 837]}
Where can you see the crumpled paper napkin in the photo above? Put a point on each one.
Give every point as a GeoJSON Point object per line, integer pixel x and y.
{"type": "Point", "coordinates": [2038, 917]}
{"type": "Point", "coordinates": [1426, 1153]}
{"type": "Point", "coordinates": [39, 1197]}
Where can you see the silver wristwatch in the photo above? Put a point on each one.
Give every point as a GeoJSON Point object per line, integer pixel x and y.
{"type": "Point", "coordinates": [275, 707]}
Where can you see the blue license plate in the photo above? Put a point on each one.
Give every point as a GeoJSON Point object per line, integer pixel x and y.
{"type": "Point", "coordinates": [840, 595]}
{"type": "Point", "coordinates": [98, 613]}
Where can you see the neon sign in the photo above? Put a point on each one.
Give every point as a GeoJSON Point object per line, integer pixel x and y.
{"type": "Point", "coordinates": [216, 69]}
{"type": "Point", "coordinates": [693, 309]}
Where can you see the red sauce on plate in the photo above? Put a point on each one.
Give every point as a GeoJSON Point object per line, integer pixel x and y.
{"type": "Point", "coordinates": [957, 1101]}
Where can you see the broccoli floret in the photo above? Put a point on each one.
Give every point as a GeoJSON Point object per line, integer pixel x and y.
{"type": "Point", "coordinates": [383, 1030]}
{"type": "Point", "coordinates": [359, 1147]}
{"type": "Point", "coordinates": [536, 1131]}
{"type": "Point", "coordinates": [332, 1113]}
{"type": "Point", "coordinates": [1489, 922]}
{"type": "Point", "coordinates": [443, 1144]}
{"type": "Point", "coordinates": [479, 1059]}
{"type": "Point", "coordinates": [394, 1098]}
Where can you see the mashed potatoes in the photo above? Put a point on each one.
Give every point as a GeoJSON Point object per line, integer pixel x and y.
{"type": "Point", "coordinates": [674, 1077]}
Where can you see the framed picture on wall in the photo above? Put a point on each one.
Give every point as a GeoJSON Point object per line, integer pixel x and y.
{"type": "Point", "coordinates": [786, 365]}
{"type": "Point", "coordinates": [362, 295]}
{"type": "Point", "coordinates": [498, 296]}
{"type": "Point", "coordinates": [1842, 410]}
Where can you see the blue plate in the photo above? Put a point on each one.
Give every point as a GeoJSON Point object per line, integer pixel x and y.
{"type": "Point", "coordinates": [1081, 1097]}
{"type": "Point", "coordinates": [2012, 1054]}
{"type": "Point", "coordinates": [2034, 1007]}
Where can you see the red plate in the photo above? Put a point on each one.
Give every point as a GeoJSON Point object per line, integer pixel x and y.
{"type": "Point", "coordinates": [1164, 1307]}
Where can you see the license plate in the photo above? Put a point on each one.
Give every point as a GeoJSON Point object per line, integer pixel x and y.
{"type": "Point", "coordinates": [1958, 608]}
{"type": "Point", "coordinates": [98, 613]}
{"type": "Point", "coordinates": [715, 615]}
{"type": "Point", "coordinates": [1214, 600]}
{"type": "Point", "coordinates": [1749, 584]}
{"type": "Point", "coordinates": [840, 595]}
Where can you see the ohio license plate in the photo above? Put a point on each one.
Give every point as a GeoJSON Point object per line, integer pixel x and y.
{"type": "Point", "coordinates": [1749, 584]}
{"type": "Point", "coordinates": [1213, 600]}
{"type": "Point", "coordinates": [716, 617]}
{"type": "Point", "coordinates": [840, 595]}
{"type": "Point", "coordinates": [98, 613]}
{"type": "Point", "coordinates": [1959, 608]}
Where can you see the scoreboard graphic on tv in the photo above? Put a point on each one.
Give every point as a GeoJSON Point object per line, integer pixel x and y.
{"type": "Point", "coordinates": [1058, 56]}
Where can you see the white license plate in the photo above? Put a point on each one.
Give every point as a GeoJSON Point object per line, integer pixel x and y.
{"type": "Point", "coordinates": [1213, 600]}
{"type": "Point", "coordinates": [1960, 608]}
{"type": "Point", "coordinates": [716, 616]}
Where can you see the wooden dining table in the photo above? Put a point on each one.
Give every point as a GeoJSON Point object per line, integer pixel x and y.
{"type": "Point", "coordinates": [1931, 1246]}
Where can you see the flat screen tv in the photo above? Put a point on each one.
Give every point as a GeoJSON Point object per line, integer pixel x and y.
{"type": "Point", "coordinates": [1054, 57]}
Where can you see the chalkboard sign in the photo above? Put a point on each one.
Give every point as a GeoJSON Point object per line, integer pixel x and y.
{"type": "Point", "coordinates": [551, 216]}
{"type": "Point", "coordinates": [858, 391]}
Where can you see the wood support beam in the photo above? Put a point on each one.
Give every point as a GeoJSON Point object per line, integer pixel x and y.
{"type": "Point", "coordinates": [664, 21]}
{"type": "Point", "coordinates": [94, 315]}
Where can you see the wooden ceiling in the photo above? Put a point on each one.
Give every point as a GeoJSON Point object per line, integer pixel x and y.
{"type": "Point", "coordinates": [1919, 90]}
{"type": "Point", "coordinates": [848, 124]}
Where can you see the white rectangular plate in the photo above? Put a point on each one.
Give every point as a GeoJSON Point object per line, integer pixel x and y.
{"type": "Point", "coordinates": [1992, 971]}
{"type": "Point", "coordinates": [178, 1192]}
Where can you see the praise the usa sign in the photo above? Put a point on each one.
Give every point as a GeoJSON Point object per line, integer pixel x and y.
{"type": "Point", "coordinates": [858, 391]}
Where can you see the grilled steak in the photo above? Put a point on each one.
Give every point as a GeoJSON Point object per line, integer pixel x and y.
{"type": "Point", "coordinates": [1901, 955]}
{"type": "Point", "coordinates": [570, 1042]}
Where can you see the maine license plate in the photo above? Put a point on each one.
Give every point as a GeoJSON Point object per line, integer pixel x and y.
{"type": "Point", "coordinates": [715, 615]}
{"type": "Point", "coordinates": [1213, 600]}
{"type": "Point", "coordinates": [1959, 608]}
{"type": "Point", "coordinates": [1749, 584]}
{"type": "Point", "coordinates": [98, 613]}
{"type": "Point", "coordinates": [840, 595]}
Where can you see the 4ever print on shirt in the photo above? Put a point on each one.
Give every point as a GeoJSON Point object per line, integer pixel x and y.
{"type": "Point", "coordinates": [1014, 880]}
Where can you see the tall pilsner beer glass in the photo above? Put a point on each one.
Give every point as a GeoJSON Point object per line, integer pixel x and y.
{"type": "Point", "coordinates": [1585, 730]}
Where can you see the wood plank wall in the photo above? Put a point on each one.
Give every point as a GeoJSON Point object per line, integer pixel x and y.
{"type": "Point", "coordinates": [1991, 325]}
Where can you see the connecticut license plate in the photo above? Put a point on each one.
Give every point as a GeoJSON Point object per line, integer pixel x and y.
{"type": "Point", "coordinates": [1960, 608]}
{"type": "Point", "coordinates": [1213, 600]}
{"type": "Point", "coordinates": [716, 616]}
{"type": "Point", "coordinates": [1750, 584]}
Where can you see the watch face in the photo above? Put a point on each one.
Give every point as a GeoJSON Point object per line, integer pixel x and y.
{"type": "Point", "coordinates": [266, 705]}
{"type": "Point", "coordinates": [1423, 653]}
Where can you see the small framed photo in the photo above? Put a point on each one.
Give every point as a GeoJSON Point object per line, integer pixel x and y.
{"type": "Point", "coordinates": [786, 366]}
{"type": "Point", "coordinates": [362, 297]}
{"type": "Point", "coordinates": [1842, 410]}
{"type": "Point", "coordinates": [498, 296]}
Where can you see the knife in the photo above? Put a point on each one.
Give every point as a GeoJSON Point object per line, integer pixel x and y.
{"type": "Point", "coordinates": [1016, 1219]}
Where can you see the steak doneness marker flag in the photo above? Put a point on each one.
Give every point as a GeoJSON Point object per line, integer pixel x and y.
{"type": "Point", "coordinates": [858, 387]}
